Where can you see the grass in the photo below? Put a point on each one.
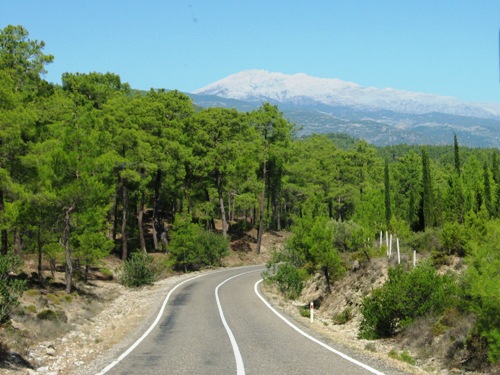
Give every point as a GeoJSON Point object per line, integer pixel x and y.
{"type": "Point", "coordinates": [344, 316]}
{"type": "Point", "coordinates": [403, 356]}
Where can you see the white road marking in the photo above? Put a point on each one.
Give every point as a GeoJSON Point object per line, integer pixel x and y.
{"type": "Point", "coordinates": [135, 344]}
{"type": "Point", "coordinates": [240, 368]}
{"type": "Point", "coordinates": [352, 360]}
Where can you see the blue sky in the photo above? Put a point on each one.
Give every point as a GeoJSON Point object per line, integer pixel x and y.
{"type": "Point", "coordinates": [446, 47]}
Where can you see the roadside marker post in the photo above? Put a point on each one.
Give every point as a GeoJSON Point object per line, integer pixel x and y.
{"type": "Point", "coordinates": [311, 309]}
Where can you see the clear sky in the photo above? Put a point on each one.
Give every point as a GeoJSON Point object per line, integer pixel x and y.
{"type": "Point", "coordinates": [445, 47]}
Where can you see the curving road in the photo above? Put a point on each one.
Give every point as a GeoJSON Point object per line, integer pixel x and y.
{"type": "Point", "coordinates": [218, 323]}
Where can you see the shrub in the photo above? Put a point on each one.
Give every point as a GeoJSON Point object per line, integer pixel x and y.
{"type": "Point", "coordinates": [344, 316]}
{"type": "Point", "coordinates": [289, 279]}
{"type": "Point", "coordinates": [47, 314]}
{"type": "Point", "coordinates": [453, 239]}
{"type": "Point", "coordinates": [483, 282]}
{"type": "Point", "coordinates": [404, 297]}
{"type": "Point", "coordinates": [138, 271]}
{"type": "Point", "coordinates": [10, 289]}
{"type": "Point", "coordinates": [425, 241]}
{"type": "Point", "coordinates": [192, 247]}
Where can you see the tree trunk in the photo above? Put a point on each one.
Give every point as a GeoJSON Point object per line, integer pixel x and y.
{"type": "Point", "coordinates": [124, 222]}
{"type": "Point", "coordinates": [140, 216]}
{"type": "Point", "coordinates": [39, 249]}
{"type": "Point", "coordinates": [4, 235]}
{"type": "Point", "coordinates": [327, 277]}
{"type": "Point", "coordinates": [221, 205]}
{"type": "Point", "coordinates": [67, 247]}
{"type": "Point", "coordinates": [18, 244]}
{"type": "Point", "coordinates": [156, 205]}
{"type": "Point", "coordinates": [115, 219]}
{"type": "Point", "coordinates": [115, 211]}
{"type": "Point", "coordinates": [211, 222]}
{"type": "Point", "coordinates": [261, 213]}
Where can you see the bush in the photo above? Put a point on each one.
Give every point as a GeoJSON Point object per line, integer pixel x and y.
{"type": "Point", "coordinates": [10, 289]}
{"type": "Point", "coordinates": [405, 297]}
{"type": "Point", "coordinates": [192, 247]}
{"type": "Point", "coordinates": [425, 241]}
{"type": "Point", "coordinates": [47, 315]}
{"type": "Point", "coordinates": [138, 271]}
{"type": "Point", "coordinates": [345, 316]}
{"type": "Point", "coordinates": [483, 284]}
{"type": "Point", "coordinates": [289, 279]}
{"type": "Point", "coordinates": [453, 239]}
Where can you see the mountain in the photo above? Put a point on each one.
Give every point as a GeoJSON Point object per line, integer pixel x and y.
{"type": "Point", "coordinates": [381, 116]}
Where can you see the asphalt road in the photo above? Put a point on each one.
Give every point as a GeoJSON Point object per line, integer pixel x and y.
{"type": "Point", "coordinates": [218, 324]}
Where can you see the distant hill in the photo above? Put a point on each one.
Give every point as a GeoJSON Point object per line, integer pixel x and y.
{"type": "Point", "coordinates": [381, 116]}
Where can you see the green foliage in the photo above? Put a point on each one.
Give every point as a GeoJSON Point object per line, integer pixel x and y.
{"type": "Point", "coordinates": [90, 165]}
{"type": "Point", "coordinates": [192, 247]}
{"type": "Point", "coordinates": [483, 280]}
{"type": "Point", "coordinates": [289, 279]}
{"type": "Point", "coordinates": [10, 289]}
{"type": "Point", "coordinates": [453, 239]}
{"type": "Point", "coordinates": [405, 297]}
{"type": "Point", "coordinates": [403, 356]}
{"type": "Point", "coordinates": [349, 236]}
{"type": "Point", "coordinates": [343, 317]}
{"type": "Point", "coordinates": [138, 271]}
{"type": "Point", "coordinates": [47, 314]}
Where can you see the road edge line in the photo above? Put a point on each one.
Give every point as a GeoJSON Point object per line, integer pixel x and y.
{"type": "Point", "coordinates": [340, 354]}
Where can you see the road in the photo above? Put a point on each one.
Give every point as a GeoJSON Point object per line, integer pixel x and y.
{"type": "Point", "coordinates": [218, 323]}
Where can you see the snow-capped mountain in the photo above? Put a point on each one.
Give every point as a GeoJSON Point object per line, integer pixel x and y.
{"type": "Point", "coordinates": [301, 89]}
{"type": "Point", "coordinates": [381, 116]}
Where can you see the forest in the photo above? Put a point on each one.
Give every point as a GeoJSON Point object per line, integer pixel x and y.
{"type": "Point", "coordinates": [92, 167]}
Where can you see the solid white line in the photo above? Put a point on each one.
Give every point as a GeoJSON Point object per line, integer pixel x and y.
{"type": "Point", "coordinates": [135, 344]}
{"type": "Point", "coordinates": [352, 360]}
{"type": "Point", "coordinates": [240, 368]}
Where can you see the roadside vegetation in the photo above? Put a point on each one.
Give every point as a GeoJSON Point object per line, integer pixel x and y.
{"type": "Point", "coordinates": [92, 168]}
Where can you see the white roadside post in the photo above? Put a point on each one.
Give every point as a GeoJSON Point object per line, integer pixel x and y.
{"type": "Point", "coordinates": [414, 258]}
{"type": "Point", "coordinates": [399, 256]}
{"type": "Point", "coordinates": [390, 246]}
{"type": "Point", "coordinates": [311, 311]}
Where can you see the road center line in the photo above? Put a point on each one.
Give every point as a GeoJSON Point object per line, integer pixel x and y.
{"type": "Point", "coordinates": [346, 357]}
{"type": "Point", "coordinates": [240, 368]}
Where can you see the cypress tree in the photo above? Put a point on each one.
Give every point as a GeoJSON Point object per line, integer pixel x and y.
{"type": "Point", "coordinates": [457, 154]}
{"type": "Point", "coordinates": [388, 212]}
{"type": "Point", "coordinates": [487, 190]}
{"type": "Point", "coordinates": [427, 198]}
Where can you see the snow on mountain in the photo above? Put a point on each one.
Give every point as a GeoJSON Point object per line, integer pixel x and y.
{"type": "Point", "coordinates": [261, 85]}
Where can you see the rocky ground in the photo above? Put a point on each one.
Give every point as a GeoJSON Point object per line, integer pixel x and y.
{"type": "Point", "coordinates": [104, 318]}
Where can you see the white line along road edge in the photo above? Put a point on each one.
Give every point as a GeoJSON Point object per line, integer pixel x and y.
{"type": "Point", "coordinates": [240, 368]}
{"type": "Point", "coordinates": [346, 357]}
{"type": "Point", "coordinates": [135, 344]}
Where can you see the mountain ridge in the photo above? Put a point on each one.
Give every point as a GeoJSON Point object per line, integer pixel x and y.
{"type": "Point", "coordinates": [258, 85]}
{"type": "Point", "coordinates": [381, 116]}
